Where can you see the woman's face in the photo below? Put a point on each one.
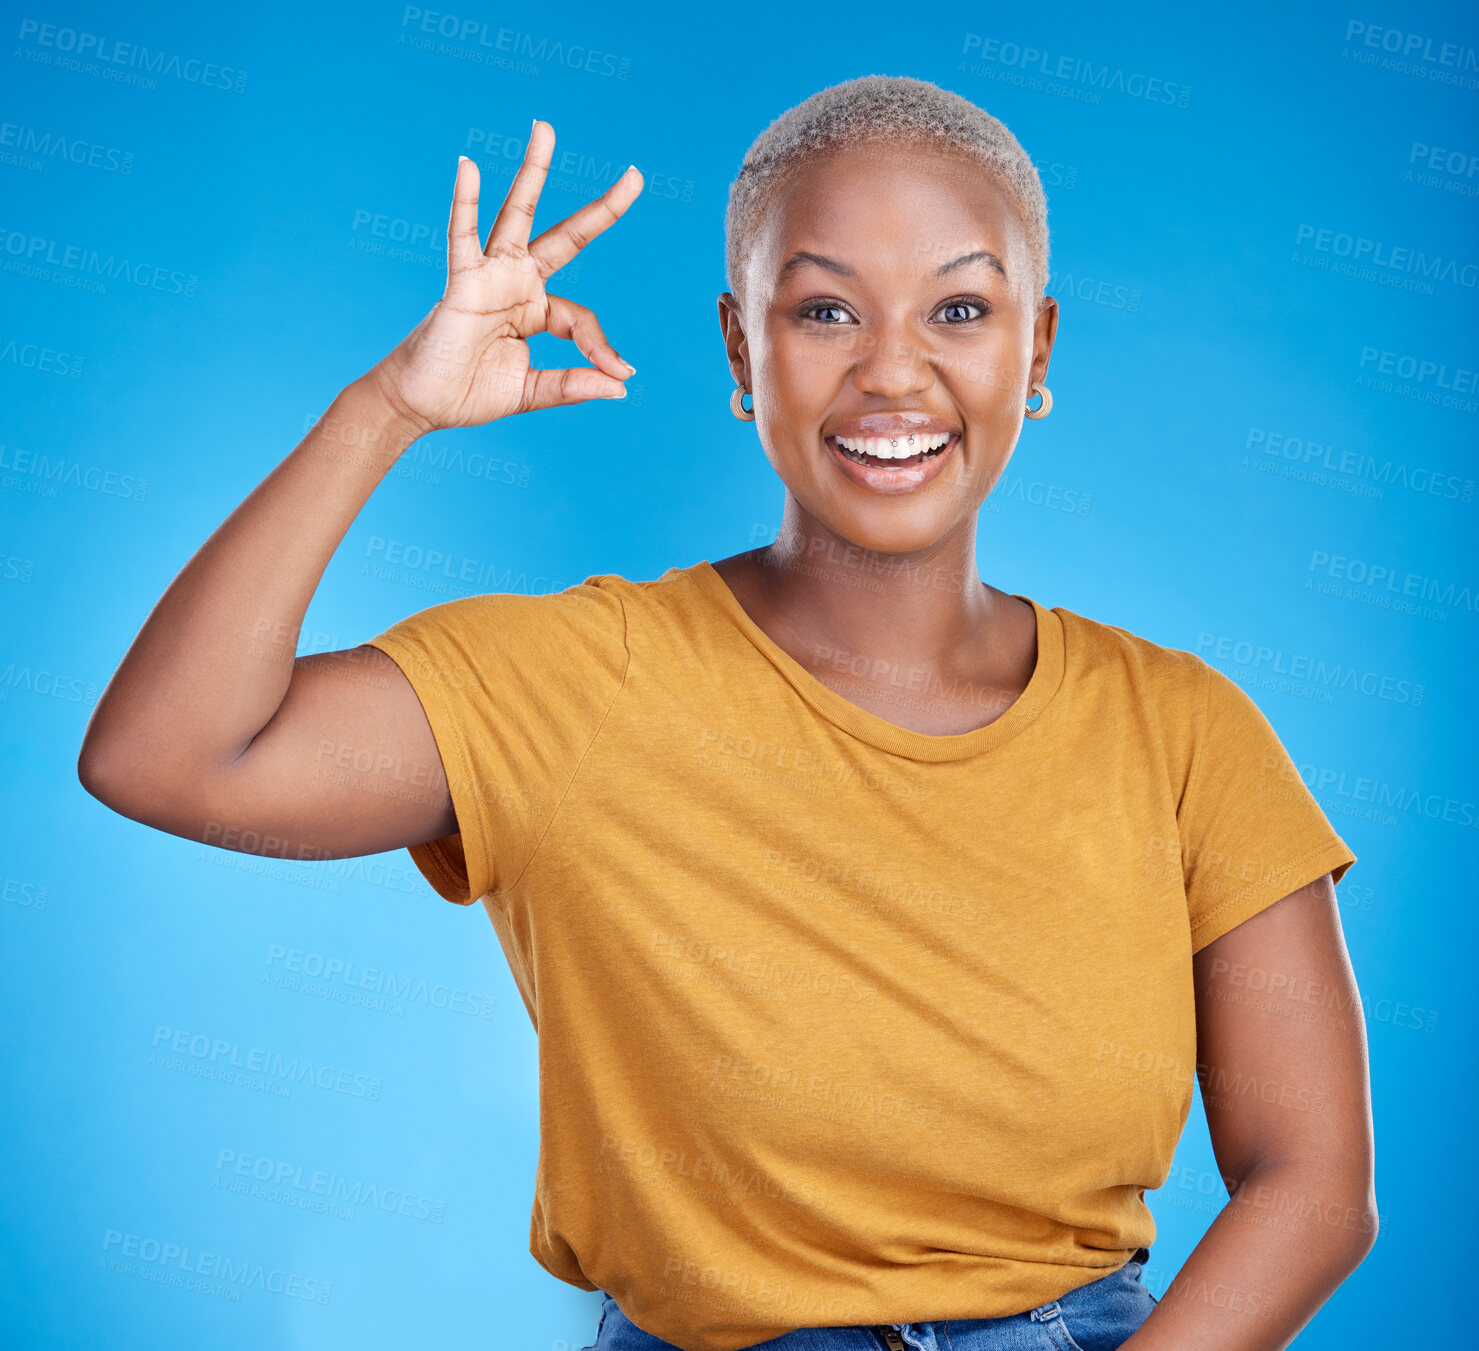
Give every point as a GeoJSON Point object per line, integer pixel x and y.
{"type": "Point", "coordinates": [888, 293]}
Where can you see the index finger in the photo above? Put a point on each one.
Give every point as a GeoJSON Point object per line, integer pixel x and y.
{"type": "Point", "coordinates": [563, 240]}
{"type": "Point", "coordinates": [516, 216]}
{"type": "Point", "coordinates": [462, 224]}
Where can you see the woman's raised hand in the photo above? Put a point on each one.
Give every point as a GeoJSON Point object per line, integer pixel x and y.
{"type": "Point", "coordinates": [467, 362]}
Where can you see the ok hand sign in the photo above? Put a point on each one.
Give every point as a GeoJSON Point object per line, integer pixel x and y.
{"type": "Point", "coordinates": [467, 362]}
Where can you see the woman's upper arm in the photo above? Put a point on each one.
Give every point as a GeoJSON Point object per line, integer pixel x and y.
{"type": "Point", "coordinates": [1281, 1043]}
{"type": "Point", "coordinates": [347, 766]}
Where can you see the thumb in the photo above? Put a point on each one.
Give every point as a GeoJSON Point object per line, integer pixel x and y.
{"type": "Point", "coordinates": [577, 384]}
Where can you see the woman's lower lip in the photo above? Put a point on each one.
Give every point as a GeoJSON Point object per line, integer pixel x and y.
{"type": "Point", "coordinates": [891, 481]}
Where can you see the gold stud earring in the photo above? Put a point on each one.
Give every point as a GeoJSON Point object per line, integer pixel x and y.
{"type": "Point", "coordinates": [1046, 406]}
{"type": "Point", "coordinates": [737, 405]}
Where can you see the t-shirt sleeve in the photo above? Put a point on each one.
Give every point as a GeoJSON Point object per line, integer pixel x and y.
{"type": "Point", "coordinates": [1251, 830]}
{"type": "Point", "coordinates": [515, 688]}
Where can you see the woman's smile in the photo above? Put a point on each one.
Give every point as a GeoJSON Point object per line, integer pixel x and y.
{"type": "Point", "coordinates": [901, 463]}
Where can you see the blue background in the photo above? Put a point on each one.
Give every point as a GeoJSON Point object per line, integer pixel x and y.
{"type": "Point", "coordinates": [308, 206]}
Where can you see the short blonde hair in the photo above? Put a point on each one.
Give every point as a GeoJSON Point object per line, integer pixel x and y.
{"type": "Point", "coordinates": [876, 108]}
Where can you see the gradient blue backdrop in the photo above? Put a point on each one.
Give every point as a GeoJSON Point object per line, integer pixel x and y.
{"type": "Point", "coordinates": [279, 189]}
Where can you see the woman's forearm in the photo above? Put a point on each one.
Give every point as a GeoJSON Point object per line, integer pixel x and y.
{"type": "Point", "coordinates": [212, 662]}
{"type": "Point", "coordinates": [1277, 1251]}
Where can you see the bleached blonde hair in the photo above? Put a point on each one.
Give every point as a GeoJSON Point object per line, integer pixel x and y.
{"type": "Point", "coordinates": [882, 108]}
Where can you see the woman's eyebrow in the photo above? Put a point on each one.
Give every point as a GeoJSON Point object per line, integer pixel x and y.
{"type": "Point", "coordinates": [981, 255]}
{"type": "Point", "coordinates": [801, 256]}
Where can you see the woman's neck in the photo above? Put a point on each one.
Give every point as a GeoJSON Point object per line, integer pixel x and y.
{"type": "Point", "coordinates": [854, 617]}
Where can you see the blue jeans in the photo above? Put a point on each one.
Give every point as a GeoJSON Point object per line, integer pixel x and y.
{"type": "Point", "coordinates": [1095, 1317]}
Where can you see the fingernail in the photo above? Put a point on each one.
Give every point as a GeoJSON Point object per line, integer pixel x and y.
{"type": "Point", "coordinates": [626, 363]}
{"type": "Point", "coordinates": [619, 394]}
{"type": "Point", "coordinates": [461, 158]}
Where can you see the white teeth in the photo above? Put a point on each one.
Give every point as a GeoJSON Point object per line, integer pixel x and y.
{"type": "Point", "coordinates": [894, 447]}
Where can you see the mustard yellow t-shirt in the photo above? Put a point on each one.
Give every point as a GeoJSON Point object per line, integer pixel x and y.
{"type": "Point", "coordinates": [841, 1022]}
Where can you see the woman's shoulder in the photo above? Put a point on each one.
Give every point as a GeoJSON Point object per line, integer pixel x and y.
{"type": "Point", "coordinates": [675, 585]}
{"type": "Point", "coordinates": [1100, 646]}
{"type": "Point", "coordinates": [596, 614]}
{"type": "Point", "coordinates": [677, 605]}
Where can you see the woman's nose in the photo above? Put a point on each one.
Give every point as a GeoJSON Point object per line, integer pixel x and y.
{"type": "Point", "coordinates": [892, 363]}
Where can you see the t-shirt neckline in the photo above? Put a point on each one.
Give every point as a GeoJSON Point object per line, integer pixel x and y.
{"type": "Point", "coordinates": [1047, 677]}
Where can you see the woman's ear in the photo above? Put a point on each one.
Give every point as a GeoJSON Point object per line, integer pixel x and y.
{"type": "Point", "coordinates": [731, 324]}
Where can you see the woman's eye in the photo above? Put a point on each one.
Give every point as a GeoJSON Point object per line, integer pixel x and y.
{"type": "Point", "coordinates": [954, 312]}
{"type": "Point", "coordinates": [957, 306]}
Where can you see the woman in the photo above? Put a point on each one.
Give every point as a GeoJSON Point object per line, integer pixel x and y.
{"type": "Point", "coordinates": [875, 922]}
